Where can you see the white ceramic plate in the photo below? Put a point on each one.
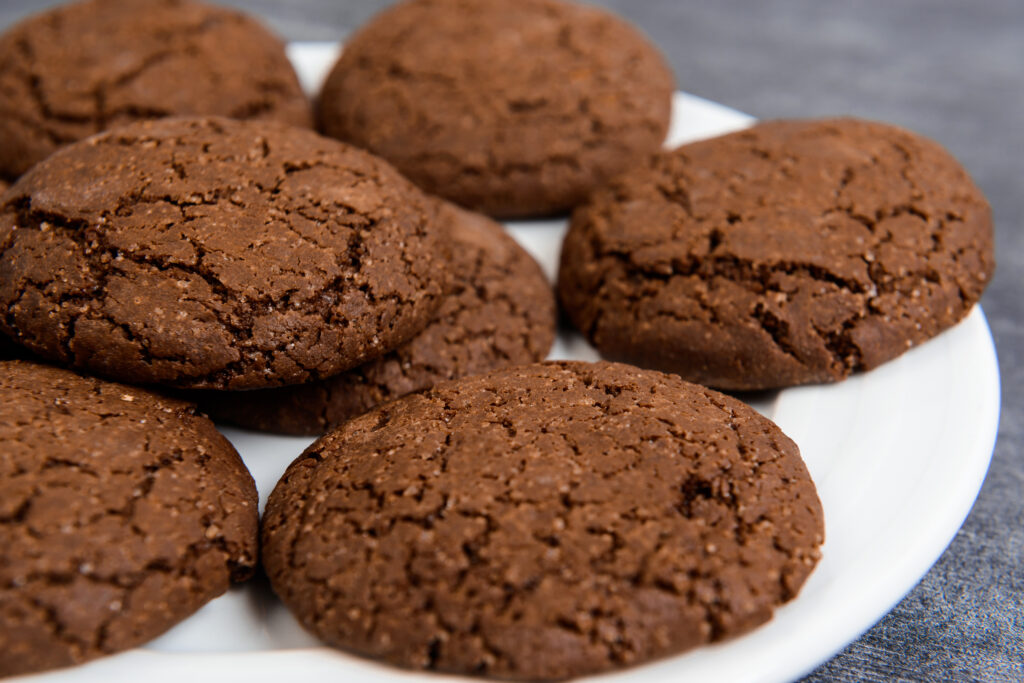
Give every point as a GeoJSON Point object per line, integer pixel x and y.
{"type": "Point", "coordinates": [898, 455]}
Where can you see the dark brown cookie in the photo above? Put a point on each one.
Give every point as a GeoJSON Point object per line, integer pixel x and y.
{"type": "Point", "coordinates": [790, 253]}
{"type": "Point", "coordinates": [500, 312]}
{"type": "Point", "coordinates": [121, 513]}
{"type": "Point", "coordinates": [89, 66]}
{"type": "Point", "coordinates": [216, 253]}
{"type": "Point", "coordinates": [543, 521]}
{"type": "Point", "coordinates": [511, 107]}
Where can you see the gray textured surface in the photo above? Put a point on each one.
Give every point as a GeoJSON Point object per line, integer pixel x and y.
{"type": "Point", "coordinates": [953, 70]}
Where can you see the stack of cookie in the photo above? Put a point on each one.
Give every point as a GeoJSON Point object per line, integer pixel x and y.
{"type": "Point", "coordinates": [499, 311]}
{"type": "Point", "coordinates": [123, 511]}
{"type": "Point", "coordinates": [199, 253]}
{"type": "Point", "coordinates": [174, 223]}
{"type": "Point", "coordinates": [196, 253]}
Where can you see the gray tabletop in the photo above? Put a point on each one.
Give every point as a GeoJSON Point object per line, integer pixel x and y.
{"type": "Point", "coordinates": [953, 70]}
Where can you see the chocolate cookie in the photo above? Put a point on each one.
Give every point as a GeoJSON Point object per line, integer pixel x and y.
{"type": "Point", "coordinates": [500, 312]}
{"type": "Point", "coordinates": [121, 513]}
{"type": "Point", "coordinates": [89, 66]}
{"type": "Point", "coordinates": [216, 253]}
{"type": "Point", "coordinates": [511, 107]}
{"type": "Point", "coordinates": [541, 522]}
{"type": "Point", "coordinates": [789, 253]}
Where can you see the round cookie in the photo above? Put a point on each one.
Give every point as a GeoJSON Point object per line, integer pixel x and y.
{"type": "Point", "coordinates": [121, 513]}
{"type": "Point", "coordinates": [789, 253]}
{"type": "Point", "coordinates": [542, 522]}
{"type": "Point", "coordinates": [85, 67]}
{"type": "Point", "coordinates": [500, 312]}
{"type": "Point", "coordinates": [213, 253]}
{"type": "Point", "coordinates": [510, 107]}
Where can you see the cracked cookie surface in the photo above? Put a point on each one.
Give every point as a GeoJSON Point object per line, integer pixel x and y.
{"type": "Point", "coordinates": [121, 513]}
{"type": "Point", "coordinates": [789, 253]}
{"type": "Point", "coordinates": [499, 312]}
{"type": "Point", "coordinates": [85, 67]}
{"type": "Point", "coordinates": [510, 107]}
{"type": "Point", "coordinates": [542, 522]}
{"type": "Point", "coordinates": [213, 253]}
